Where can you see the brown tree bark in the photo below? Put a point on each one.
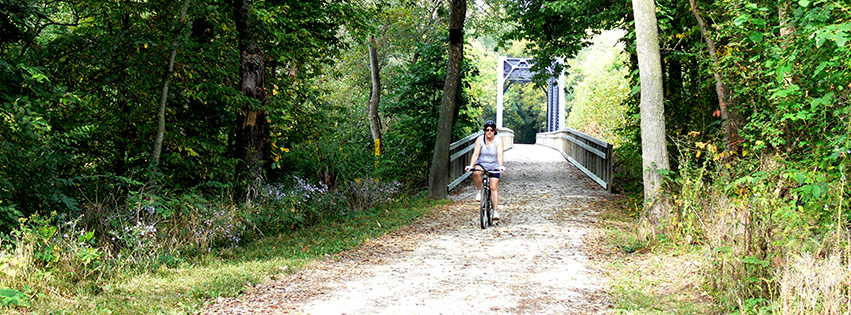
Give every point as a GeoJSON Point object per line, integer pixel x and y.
{"type": "Point", "coordinates": [375, 97]}
{"type": "Point", "coordinates": [725, 100]}
{"type": "Point", "coordinates": [438, 174]}
{"type": "Point", "coordinates": [252, 126]}
{"type": "Point", "coordinates": [654, 151]}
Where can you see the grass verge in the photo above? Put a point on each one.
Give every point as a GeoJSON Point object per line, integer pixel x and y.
{"type": "Point", "coordinates": [228, 272]}
{"type": "Point", "coordinates": [647, 275]}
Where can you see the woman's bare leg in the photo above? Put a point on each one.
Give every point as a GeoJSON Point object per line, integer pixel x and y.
{"type": "Point", "coordinates": [495, 192]}
{"type": "Point", "coordinates": [477, 178]}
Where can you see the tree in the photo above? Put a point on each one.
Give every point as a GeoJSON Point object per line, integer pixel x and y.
{"type": "Point", "coordinates": [252, 126]}
{"type": "Point", "coordinates": [726, 103]}
{"type": "Point", "coordinates": [597, 86]}
{"type": "Point", "coordinates": [437, 179]}
{"type": "Point", "coordinates": [158, 142]}
{"type": "Point", "coordinates": [525, 111]}
{"type": "Point", "coordinates": [375, 96]}
{"type": "Point", "coordinates": [558, 29]}
{"type": "Point", "coordinates": [654, 152]}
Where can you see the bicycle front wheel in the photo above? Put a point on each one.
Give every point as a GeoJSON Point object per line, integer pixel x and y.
{"type": "Point", "coordinates": [483, 210]}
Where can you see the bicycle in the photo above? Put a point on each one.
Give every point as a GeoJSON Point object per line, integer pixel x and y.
{"type": "Point", "coordinates": [486, 208]}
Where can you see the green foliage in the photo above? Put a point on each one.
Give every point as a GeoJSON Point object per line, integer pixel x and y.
{"type": "Point", "coordinates": [558, 28]}
{"type": "Point", "coordinates": [48, 254]}
{"type": "Point", "coordinates": [334, 152]}
{"type": "Point", "coordinates": [31, 155]}
{"type": "Point", "coordinates": [53, 260]}
{"type": "Point", "coordinates": [415, 108]}
{"type": "Point", "coordinates": [294, 206]}
{"type": "Point", "coordinates": [80, 81]}
{"type": "Point", "coordinates": [753, 224]}
{"type": "Point", "coordinates": [783, 194]}
{"type": "Point", "coordinates": [13, 297]}
{"type": "Point", "coordinates": [598, 85]}
{"type": "Point", "coordinates": [801, 92]}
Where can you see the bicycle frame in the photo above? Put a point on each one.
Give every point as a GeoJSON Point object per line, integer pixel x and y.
{"type": "Point", "coordinates": [486, 208]}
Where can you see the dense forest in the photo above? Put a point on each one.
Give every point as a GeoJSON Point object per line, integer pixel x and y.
{"type": "Point", "coordinates": [137, 136]}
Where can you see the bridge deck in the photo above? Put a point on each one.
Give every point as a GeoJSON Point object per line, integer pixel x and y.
{"type": "Point", "coordinates": [535, 169]}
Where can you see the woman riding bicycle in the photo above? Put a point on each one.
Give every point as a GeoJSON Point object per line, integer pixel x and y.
{"type": "Point", "coordinates": [488, 154]}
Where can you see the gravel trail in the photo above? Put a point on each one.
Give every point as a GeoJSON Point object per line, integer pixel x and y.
{"type": "Point", "coordinates": [534, 262]}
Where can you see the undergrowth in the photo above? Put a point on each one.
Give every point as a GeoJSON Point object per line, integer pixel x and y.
{"type": "Point", "coordinates": [764, 236]}
{"type": "Point", "coordinates": [169, 255]}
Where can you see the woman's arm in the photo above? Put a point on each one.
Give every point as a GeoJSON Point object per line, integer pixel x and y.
{"type": "Point", "coordinates": [499, 152]}
{"type": "Point", "coordinates": [476, 150]}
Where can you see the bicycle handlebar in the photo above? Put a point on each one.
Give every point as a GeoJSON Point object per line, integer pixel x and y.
{"type": "Point", "coordinates": [483, 170]}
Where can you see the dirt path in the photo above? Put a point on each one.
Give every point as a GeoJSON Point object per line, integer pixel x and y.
{"type": "Point", "coordinates": [533, 263]}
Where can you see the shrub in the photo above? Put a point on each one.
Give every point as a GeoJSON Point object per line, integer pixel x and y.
{"type": "Point", "coordinates": [46, 254]}
{"type": "Point", "coordinates": [282, 207]}
{"type": "Point", "coordinates": [759, 228]}
{"type": "Point", "coordinates": [367, 193]}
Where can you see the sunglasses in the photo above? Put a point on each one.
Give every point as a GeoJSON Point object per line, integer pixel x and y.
{"type": "Point", "coordinates": [488, 130]}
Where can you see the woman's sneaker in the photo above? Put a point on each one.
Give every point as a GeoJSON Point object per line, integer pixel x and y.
{"type": "Point", "coordinates": [495, 217]}
{"type": "Point", "coordinates": [479, 196]}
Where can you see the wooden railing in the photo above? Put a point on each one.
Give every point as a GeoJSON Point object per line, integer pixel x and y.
{"type": "Point", "coordinates": [591, 155]}
{"type": "Point", "coordinates": [461, 151]}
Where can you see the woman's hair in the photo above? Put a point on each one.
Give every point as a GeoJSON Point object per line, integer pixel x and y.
{"type": "Point", "coordinates": [491, 124]}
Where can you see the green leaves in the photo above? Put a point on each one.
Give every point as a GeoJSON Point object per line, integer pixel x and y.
{"type": "Point", "coordinates": [13, 297]}
{"type": "Point", "coordinates": [559, 28]}
{"type": "Point", "coordinates": [838, 33]}
{"type": "Point", "coordinates": [756, 37]}
{"type": "Point", "coordinates": [742, 19]}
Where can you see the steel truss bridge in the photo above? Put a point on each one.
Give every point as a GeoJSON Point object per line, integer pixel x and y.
{"type": "Point", "coordinates": [511, 69]}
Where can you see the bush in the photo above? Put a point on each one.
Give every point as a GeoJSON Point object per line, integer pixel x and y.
{"type": "Point", "coordinates": [760, 227]}
{"type": "Point", "coordinates": [283, 207]}
{"type": "Point", "coordinates": [363, 194]}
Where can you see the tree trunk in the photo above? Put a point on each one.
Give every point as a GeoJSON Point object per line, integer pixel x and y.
{"type": "Point", "coordinates": [725, 100]}
{"type": "Point", "coordinates": [786, 28]}
{"type": "Point", "coordinates": [375, 97]}
{"type": "Point", "coordinates": [438, 174]}
{"type": "Point", "coordinates": [158, 142]}
{"type": "Point", "coordinates": [654, 152]}
{"type": "Point", "coordinates": [252, 127]}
